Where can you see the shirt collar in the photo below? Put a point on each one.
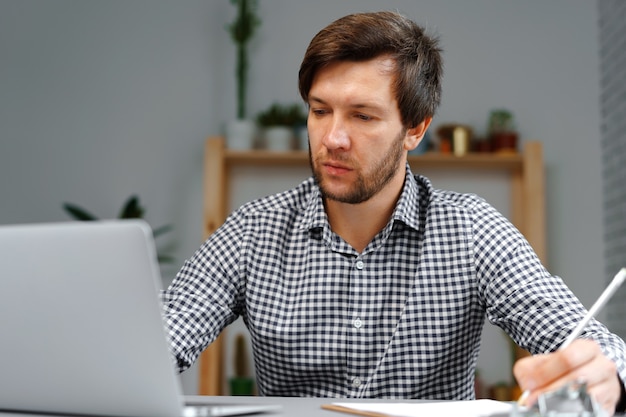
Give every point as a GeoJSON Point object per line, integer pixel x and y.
{"type": "Point", "coordinates": [314, 214]}
{"type": "Point", "coordinates": [407, 209]}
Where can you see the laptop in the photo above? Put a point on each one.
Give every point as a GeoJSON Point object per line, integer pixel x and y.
{"type": "Point", "coordinates": [81, 325]}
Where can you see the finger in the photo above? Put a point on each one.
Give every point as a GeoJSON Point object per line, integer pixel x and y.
{"type": "Point", "coordinates": [583, 360]}
{"type": "Point", "coordinates": [604, 387]}
{"type": "Point", "coordinates": [601, 380]}
{"type": "Point", "coordinates": [560, 363]}
{"type": "Point", "coordinates": [524, 371]}
{"type": "Point", "coordinates": [603, 396]}
{"type": "Point", "coordinates": [567, 361]}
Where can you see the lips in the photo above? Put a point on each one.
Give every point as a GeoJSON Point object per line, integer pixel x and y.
{"type": "Point", "coordinates": [335, 168]}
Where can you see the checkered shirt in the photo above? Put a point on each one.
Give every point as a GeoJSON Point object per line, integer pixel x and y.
{"type": "Point", "coordinates": [402, 319]}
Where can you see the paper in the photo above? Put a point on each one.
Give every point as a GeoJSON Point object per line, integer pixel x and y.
{"type": "Point", "coordinates": [477, 408]}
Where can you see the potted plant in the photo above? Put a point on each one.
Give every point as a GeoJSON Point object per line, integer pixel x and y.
{"type": "Point", "coordinates": [502, 134]}
{"type": "Point", "coordinates": [298, 119]}
{"type": "Point", "coordinates": [130, 210]}
{"type": "Point", "coordinates": [241, 383]}
{"type": "Point", "coordinates": [279, 123]}
{"type": "Point", "coordinates": [241, 131]}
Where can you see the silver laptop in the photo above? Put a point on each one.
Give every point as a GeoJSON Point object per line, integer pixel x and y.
{"type": "Point", "coordinates": [81, 326]}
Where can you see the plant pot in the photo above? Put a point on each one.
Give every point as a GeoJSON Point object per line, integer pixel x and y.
{"type": "Point", "coordinates": [278, 138]}
{"type": "Point", "coordinates": [500, 392]}
{"type": "Point", "coordinates": [240, 134]}
{"type": "Point", "coordinates": [241, 386]}
{"type": "Point", "coordinates": [302, 134]}
{"type": "Point", "coordinates": [504, 142]}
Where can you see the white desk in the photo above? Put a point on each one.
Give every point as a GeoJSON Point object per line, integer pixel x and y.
{"type": "Point", "coordinates": [291, 406]}
{"type": "Point", "coordinates": [295, 406]}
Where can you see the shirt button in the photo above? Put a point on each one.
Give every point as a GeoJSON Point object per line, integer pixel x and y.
{"type": "Point", "coordinates": [358, 323]}
{"type": "Point", "coordinates": [356, 382]}
{"type": "Point", "coordinates": [359, 265]}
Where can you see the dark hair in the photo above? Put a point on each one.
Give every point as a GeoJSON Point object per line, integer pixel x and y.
{"type": "Point", "coordinates": [363, 36]}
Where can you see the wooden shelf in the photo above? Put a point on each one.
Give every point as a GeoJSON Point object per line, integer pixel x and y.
{"type": "Point", "coordinates": [525, 172]}
{"type": "Point", "coordinates": [479, 161]}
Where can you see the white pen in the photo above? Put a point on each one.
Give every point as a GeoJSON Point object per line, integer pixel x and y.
{"type": "Point", "coordinates": [600, 302]}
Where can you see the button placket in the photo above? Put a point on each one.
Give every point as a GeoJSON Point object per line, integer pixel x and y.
{"type": "Point", "coordinates": [355, 380]}
{"type": "Point", "coordinates": [359, 265]}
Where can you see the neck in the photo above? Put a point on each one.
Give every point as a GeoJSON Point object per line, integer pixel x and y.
{"type": "Point", "coordinates": [357, 224]}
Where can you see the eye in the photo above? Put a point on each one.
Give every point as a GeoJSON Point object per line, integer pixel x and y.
{"type": "Point", "coordinates": [363, 117]}
{"type": "Point", "coordinates": [319, 112]}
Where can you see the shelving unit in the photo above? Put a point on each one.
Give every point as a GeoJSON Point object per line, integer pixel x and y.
{"type": "Point", "coordinates": [525, 171]}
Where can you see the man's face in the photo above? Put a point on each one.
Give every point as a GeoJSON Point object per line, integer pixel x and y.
{"type": "Point", "coordinates": [356, 138]}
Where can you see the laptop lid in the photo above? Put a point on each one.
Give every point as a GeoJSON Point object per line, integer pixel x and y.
{"type": "Point", "coordinates": [81, 324]}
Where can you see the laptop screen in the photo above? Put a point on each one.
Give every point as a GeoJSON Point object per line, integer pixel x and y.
{"type": "Point", "coordinates": [81, 321]}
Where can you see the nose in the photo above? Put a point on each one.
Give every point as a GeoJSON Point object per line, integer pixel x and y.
{"type": "Point", "coordinates": [336, 136]}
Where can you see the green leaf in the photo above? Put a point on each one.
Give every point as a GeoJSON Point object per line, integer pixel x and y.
{"type": "Point", "coordinates": [78, 212]}
{"type": "Point", "coordinates": [165, 259]}
{"type": "Point", "coordinates": [132, 209]}
{"type": "Point", "coordinates": [161, 230]}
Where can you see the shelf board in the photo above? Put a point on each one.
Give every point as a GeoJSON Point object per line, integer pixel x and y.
{"type": "Point", "coordinates": [266, 158]}
{"type": "Point", "coordinates": [481, 161]}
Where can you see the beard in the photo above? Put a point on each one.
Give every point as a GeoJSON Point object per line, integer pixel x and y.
{"type": "Point", "coordinates": [369, 181]}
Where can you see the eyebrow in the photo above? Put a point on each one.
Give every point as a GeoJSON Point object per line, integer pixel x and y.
{"type": "Point", "coordinates": [365, 105]}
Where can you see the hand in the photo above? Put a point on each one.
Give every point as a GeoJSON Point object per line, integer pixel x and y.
{"type": "Point", "coordinates": [582, 360]}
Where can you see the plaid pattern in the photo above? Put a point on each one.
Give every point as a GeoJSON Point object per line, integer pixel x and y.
{"type": "Point", "coordinates": [401, 320]}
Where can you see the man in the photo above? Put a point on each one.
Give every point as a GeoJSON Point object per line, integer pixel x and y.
{"type": "Point", "coordinates": [364, 280]}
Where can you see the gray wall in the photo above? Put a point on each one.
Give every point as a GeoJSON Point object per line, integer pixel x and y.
{"type": "Point", "coordinates": [99, 100]}
{"type": "Point", "coordinates": [612, 18]}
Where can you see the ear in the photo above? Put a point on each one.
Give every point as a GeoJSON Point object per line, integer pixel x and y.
{"type": "Point", "coordinates": [415, 134]}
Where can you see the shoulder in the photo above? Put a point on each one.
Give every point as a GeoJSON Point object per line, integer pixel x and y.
{"type": "Point", "coordinates": [270, 216]}
{"type": "Point", "coordinates": [445, 208]}
{"type": "Point", "coordinates": [446, 199]}
{"type": "Point", "coordinates": [276, 210]}
{"type": "Point", "coordinates": [295, 198]}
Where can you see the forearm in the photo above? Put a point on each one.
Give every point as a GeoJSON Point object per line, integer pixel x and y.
{"type": "Point", "coordinates": [191, 325]}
